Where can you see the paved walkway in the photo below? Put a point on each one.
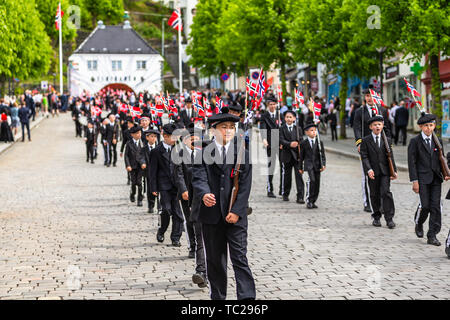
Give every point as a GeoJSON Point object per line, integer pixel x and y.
{"type": "Point", "coordinates": [68, 231]}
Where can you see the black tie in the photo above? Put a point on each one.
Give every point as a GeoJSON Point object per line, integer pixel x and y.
{"type": "Point", "coordinates": [168, 150]}
{"type": "Point", "coordinates": [224, 155]}
{"type": "Point", "coordinates": [428, 143]}
{"type": "Point", "coordinates": [290, 129]}
{"type": "Point", "coordinates": [192, 157]}
{"type": "Point", "coordinates": [377, 141]}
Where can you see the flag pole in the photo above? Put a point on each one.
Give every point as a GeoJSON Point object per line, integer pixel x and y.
{"type": "Point", "coordinates": [179, 51]}
{"type": "Point", "coordinates": [61, 88]}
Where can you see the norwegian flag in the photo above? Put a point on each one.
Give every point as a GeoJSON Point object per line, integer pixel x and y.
{"type": "Point", "coordinates": [58, 16]}
{"type": "Point", "coordinates": [251, 88]}
{"type": "Point", "coordinates": [207, 107]}
{"type": "Point", "coordinates": [299, 97]}
{"type": "Point", "coordinates": [376, 98]}
{"type": "Point", "coordinates": [175, 20]}
{"type": "Point", "coordinates": [256, 103]}
{"type": "Point", "coordinates": [165, 103]}
{"type": "Point", "coordinates": [198, 107]}
{"type": "Point", "coordinates": [413, 91]}
{"type": "Point", "coordinates": [136, 112]}
{"type": "Point", "coordinates": [279, 93]}
{"type": "Point", "coordinates": [123, 108]}
{"type": "Point", "coordinates": [152, 109]}
{"type": "Point", "coordinates": [262, 86]}
{"type": "Point", "coordinates": [317, 110]}
{"type": "Point", "coordinates": [219, 104]}
{"type": "Point", "coordinates": [96, 111]}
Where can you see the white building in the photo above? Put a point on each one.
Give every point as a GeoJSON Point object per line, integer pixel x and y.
{"type": "Point", "coordinates": [115, 57]}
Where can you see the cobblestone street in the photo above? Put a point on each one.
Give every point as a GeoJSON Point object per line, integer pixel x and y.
{"type": "Point", "coordinates": [69, 231]}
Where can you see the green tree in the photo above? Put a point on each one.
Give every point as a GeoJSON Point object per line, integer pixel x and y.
{"type": "Point", "coordinates": [109, 11]}
{"type": "Point", "coordinates": [47, 12]}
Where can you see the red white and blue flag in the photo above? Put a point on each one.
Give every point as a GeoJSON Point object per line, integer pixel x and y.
{"type": "Point", "coordinates": [251, 88]}
{"type": "Point", "coordinates": [262, 86]}
{"type": "Point", "coordinates": [175, 20]}
{"type": "Point", "coordinates": [411, 89]}
{"type": "Point", "coordinates": [136, 112]}
{"type": "Point", "coordinates": [219, 104]}
{"type": "Point", "coordinates": [58, 16]}
{"type": "Point", "coordinates": [376, 98]}
{"type": "Point", "coordinates": [299, 97]}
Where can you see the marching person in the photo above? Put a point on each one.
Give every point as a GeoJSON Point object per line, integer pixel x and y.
{"type": "Point", "coordinates": [361, 129]}
{"type": "Point", "coordinates": [376, 166]}
{"type": "Point", "coordinates": [24, 116]}
{"type": "Point", "coordinates": [224, 224]}
{"type": "Point", "coordinates": [112, 137]}
{"type": "Point", "coordinates": [190, 203]}
{"type": "Point", "coordinates": [312, 160]}
{"type": "Point", "coordinates": [126, 136]}
{"type": "Point", "coordinates": [151, 137]}
{"type": "Point", "coordinates": [269, 123]}
{"type": "Point", "coordinates": [187, 115]}
{"type": "Point", "coordinates": [290, 157]}
{"type": "Point", "coordinates": [89, 138]}
{"type": "Point", "coordinates": [135, 163]}
{"type": "Point", "coordinates": [76, 113]}
{"type": "Point", "coordinates": [426, 177]}
{"type": "Point", "coordinates": [103, 133]}
{"type": "Point", "coordinates": [163, 181]}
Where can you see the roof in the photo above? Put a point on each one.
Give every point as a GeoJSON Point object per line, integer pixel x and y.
{"type": "Point", "coordinates": [115, 39]}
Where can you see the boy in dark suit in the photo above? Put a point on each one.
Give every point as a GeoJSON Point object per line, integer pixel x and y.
{"type": "Point", "coordinates": [312, 160]}
{"type": "Point", "coordinates": [151, 137]}
{"type": "Point", "coordinates": [426, 176]}
{"type": "Point", "coordinates": [224, 226]}
{"type": "Point", "coordinates": [189, 202]}
{"type": "Point", "coordinates": [290, 155]}
{"type": "Point", "coordinates": [89, 138]}
{"type": "Point", "coordinates": [103, 133]}
{"type": "Point", "coordinates": [135, 163]}
{"type": "Point", "coordinates": [163, 180]}
{"type": "Point", "coordinates": [126, 136]}
{"type": "Point", "coordinates": [112, 137]}
{"type": "Point", "coordinates": [375, 163]}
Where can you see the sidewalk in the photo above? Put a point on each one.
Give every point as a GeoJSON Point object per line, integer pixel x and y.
{"type": "Point", "coordinates": [18, 137]}
{"type": "Point", "coordinates": [347, 148]}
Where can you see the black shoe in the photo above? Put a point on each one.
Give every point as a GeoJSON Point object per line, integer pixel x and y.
{"type": "Point", "coordinates": [433, 241]}
{"type": "Point", "coordinates": [160, 237]}
{"type": "Point", "coordinates": [390, 224]}
{"type": "Point", "coordinates": [249, 210]}
{"type": "Point", "coordinates": [132, 199]}
{"type": "Point", "coordinates": [108, 165]}
{"type": "Point", "coordinates": [87, 160]}
{"type": "Point", "coordinates": [301, 201]}
{"type": "Point", "coordinates": [150, 210]}
{"type": "Point", "coordinates": [92, 161]}
{"type": "Point", "coordinates": [191, 255]}
{"type": "Point", "coordinates": [176, 243]}
{"type": "Point", "coordinates": [447, 251]}
{"type": "Point", "coordinates": [309, 205]}
{"type": "Point", "coordinates": [199, 279]}
{"type": "Point", "coordinates": [367, 209]}
{"type": "Point", "coordinates": [271, 195]}
{"type": "Point", "coordinates": [285, 198]}
{"type": "Point", "coordinates": [376, 223]}
{"type": "Point", "coordinates": [314, 206]}
{"type": "Point", "coordinates": [139, 203]}
{"type": "Point", "coordinates": [419, 230]}
{"type": "Point", "coordinates": [114, 165]}
{"type": "Point", "coordinates": [128, 182]}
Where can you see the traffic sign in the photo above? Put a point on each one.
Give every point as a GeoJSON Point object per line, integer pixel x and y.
{"type": "Point", "coordinates": [225, 77]}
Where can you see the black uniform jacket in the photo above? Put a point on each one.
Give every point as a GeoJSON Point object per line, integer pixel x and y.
{"type": "Point", "coordinates": [286, 137]}
{"type": "Point", "coordinates": [216, 179]}
{"type": "Point", "coordinates": [133, 155]}
{"type": "Point", "coordinates": [421, 162]}
{"type": "Point", "coordinates": [310, 158]}
{"type": "Point", "coordinates": [267, 124]}
{"type": "Point", "coordinates": [91, 137]}
{"type": "Point", "coordinates": [162, 170]}
{"type": "Point", "coordinates": [360, 126]}
{"type": "Point", "coordinates": [374, 157]}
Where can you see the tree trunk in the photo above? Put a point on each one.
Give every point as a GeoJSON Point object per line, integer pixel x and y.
{"type": "Point", "coordinates": [343, 96]}
{"type": "Point", "coordinates": [436, 107]}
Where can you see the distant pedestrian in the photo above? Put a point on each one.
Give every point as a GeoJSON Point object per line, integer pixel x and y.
{"type": "Point", "coordinates": [401, 119]}
{"type": "Point", "coordinates": [24, 116]}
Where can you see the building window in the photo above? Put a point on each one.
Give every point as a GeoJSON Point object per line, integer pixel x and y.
{"type": "Point", "coordinates": [117, 65]}
{"type": "Point", "coordinates": [92, 65]}
{"type": "Point", "coordinates": [141, 64]}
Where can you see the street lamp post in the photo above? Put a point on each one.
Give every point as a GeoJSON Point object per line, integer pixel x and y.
{"type": "Point", "coordinates": [381, 50]}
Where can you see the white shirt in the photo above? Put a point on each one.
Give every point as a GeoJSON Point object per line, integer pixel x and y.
{"type": "Point", "coordinates": [151, 146]}
{"type": "Point", "coordinates": [136, 142]}
{"type": "Point", "coordinates": [290, 127]}
{"type": "Point", "coordinates": [166, 146]}
{"type": "Point", "coordinates": [369, 108]}
{"type": "Point", "coordinates": [311, 141]}
{"type": "Point", "coordinates": [375, 139]}
{"type": "Point", "coordinates": [219, 147]}
{"type": "Point", "coordinates": [272, 114]}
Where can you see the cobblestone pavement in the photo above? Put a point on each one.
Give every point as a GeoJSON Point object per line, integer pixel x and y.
{"type": "Point", "coordinates": [68, 231]}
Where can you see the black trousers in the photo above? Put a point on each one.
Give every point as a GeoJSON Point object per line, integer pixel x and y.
{"type": "Point", "coordinates": [381, 199]}
{"type": "Point", "coordinates": [27, 125]}
{"type": "Point", "coordinates": [90, 151]}
{"type": "Point", "coordinates": [200, 264]}
{"type": "Point", "coordinates": [402, 130]}
{"type": "Point", "coordinates": [218, 240]}
{"type": "Point", "coordinates": [136, 181]}
{"type": "Point", "coordinates": [430, 203]}
{"type": "Point", "coordinates": [171, 208]}
{"type": "Point", "coordinates": [286, 179]}
{"type": "Point", "coordinates": [77, 128]}
{"type": "Point", "coordinates": [106, 153]}
{"type": "Point", "coordinates": [313, 186]}
{"type": "Point", "coordinates": [334, 135]}
{"type": "Point", "coordinates": [189, 225]}
{"type": "Point", "coordinates": [272, 158]}
{"type": "Point", "coordinates": [112, 153]}
{"type": "Point", "coordinates": [447, 242]}
{"type": "Point", "coordinates": [150, 197]}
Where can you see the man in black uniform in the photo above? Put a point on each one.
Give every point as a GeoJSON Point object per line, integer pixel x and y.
{"type": "Point", "coordinates": [135, 163]}
{"type": "Point", "coordinates": [188, 114]}
{"type": "Point", "coordinates": [163, 179]}
{"type": "Point", "coordinates": [290, 156]}
{"type": "Point", "coordinates": [426, 176]}
{"type": "Point", "coordinates": [126, 136]}
{"type": "Point", "coordinates": [269, 125]}
{"type": "Point", "coordinates": [151, 136]}
{"type": "Point", "coordinates": [112, 137]}
{"type": "Point", "coordinates": [361, 129]}
{"type": "Point", "coordinates": [103, 133]}
{"type": "Point", "coordinates": [89, 138]}
{"type": "Point", "coordinates": [190, 203]}
{"type": "Point", "coordinates": [375, 163]}
{"type": "Point", "coordinates": [312, 160]}
{"type": "Point", "coordinates": [76, 113]}
{"type": "Point", "coordinates": [224, 229]}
